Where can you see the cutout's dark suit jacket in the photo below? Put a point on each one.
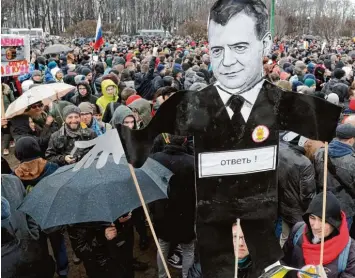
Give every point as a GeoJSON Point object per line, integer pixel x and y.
{"type": "Point", "coordinates": [222, 199]}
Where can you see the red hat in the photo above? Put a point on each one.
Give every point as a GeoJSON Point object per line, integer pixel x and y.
{"type": "Point", "coordinates": [132, 99]}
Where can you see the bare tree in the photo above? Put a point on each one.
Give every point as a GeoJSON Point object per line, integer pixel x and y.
{"type": "Point", "coordinates": [56, 17]}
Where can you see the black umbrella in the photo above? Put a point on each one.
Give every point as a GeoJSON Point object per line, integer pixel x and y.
{"type": "Point", "coordinates": [88, 195]}
{"type": "Point", "coordinates": [56, 49]}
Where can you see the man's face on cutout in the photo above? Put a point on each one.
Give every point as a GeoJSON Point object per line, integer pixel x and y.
{"type": "Point", "coordinates": [236, 52]}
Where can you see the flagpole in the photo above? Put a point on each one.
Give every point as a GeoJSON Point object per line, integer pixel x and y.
{"type": "Point", "coordinates": [140, 195]}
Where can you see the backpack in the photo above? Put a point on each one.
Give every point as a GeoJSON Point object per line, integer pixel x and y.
{"type": "Point", "coordinates": [343, 256]}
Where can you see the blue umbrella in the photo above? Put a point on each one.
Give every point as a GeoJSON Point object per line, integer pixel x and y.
{"type": "Point", "coordinates": [90, 195]}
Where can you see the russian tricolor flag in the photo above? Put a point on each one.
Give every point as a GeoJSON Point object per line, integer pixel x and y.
{"type": "Point", "coordinates": [99, 40]}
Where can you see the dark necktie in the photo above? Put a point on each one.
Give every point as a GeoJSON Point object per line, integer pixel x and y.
{"type": "Point", "coordinates": [235, 103]}
{"type": "Point", "coordinates": [238, 123]}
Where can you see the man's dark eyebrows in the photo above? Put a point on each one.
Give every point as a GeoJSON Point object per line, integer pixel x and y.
{"type": "Point", "coordinates": [217, 46]}
{"type": "Point", "coordinates": [238, 43]}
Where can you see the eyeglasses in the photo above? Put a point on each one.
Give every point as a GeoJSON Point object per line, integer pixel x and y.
{"type": "Point", "coordinates": [34, 106]}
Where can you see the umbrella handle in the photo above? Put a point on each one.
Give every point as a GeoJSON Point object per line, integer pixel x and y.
{"type": "Point", "coordinates": [140, 195]}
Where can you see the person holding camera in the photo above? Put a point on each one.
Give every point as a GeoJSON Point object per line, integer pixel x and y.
{"type": "Point", "coordinates": [62, 141]}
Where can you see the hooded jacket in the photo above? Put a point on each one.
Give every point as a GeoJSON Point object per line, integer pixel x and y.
{"type": "Point", "coordinates": [78, 98]}
{"type": "Point", "coordinates": [336, 86]}
{"type": "Point", "coordinates": [296, 183]}
{"type": "Point", "coordinates": [120, 114]}
{"type": "Point", "coordinates": [295, 254]}
{"type": "Point", "coordinates": [344, 163]}
{"type": "Point", "coordinates": [189, 79]}
{"type": "Point", "coordinates": [144, 110]}
{"type": "Point", "coordinates": [103, 101]}
{"type": "Point", "coordinates": [97, 78]}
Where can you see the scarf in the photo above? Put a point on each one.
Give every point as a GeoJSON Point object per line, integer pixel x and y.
{"type": "Point", "coordinates": [72, 133]}
{"type": "Point", "coordinates": [31, 170]}
{"type": "Point", "coordinates": [339, 149]}
{"type": "Point", "coordinates": [95, 126]}
{"type": "Point", "coordinates": [332, 247]}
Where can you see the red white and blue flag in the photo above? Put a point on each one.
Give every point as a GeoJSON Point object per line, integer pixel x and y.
{"type": "Point", "coordinates": [99, 40]}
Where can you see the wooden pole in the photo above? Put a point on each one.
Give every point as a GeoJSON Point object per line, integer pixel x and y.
{"type": "Point", "coordinates": [324, 204]}
{"type": "Point", "coordinates": [133, 173]}
{"type": "Point", "coordinates": [237, 248]}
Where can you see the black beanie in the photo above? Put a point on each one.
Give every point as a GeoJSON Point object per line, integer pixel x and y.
{"type": "Point", "coordinates": [27, 149]}
{"type": "Point", "coordinates": [332, 211]}
{"type": "Point", "coordinates": [85, 71]}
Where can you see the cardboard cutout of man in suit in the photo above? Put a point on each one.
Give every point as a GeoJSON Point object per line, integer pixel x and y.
{"type": "Point", "coordinates": [235, 123]}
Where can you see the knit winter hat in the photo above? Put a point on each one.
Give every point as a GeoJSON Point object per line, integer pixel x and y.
{"type": "Point", "coordinates": [27, 149]}
{"type": "Point", "coordinates": [79, 78]}
{"type": "Point", "coordinates": [332, 98]}
{"type": "Point", "coordinates": [85, 71]}
{"type": "Point", "coordinates": [345, 131]}
{"type": "Point", "coordinates": [86, 107]}
{"type": "Point", "coordinates": [311, 67]}
{"type": "Point", "coordinates": [160, 67]}
{"type": "Point", "coordinates": [36, 73]}
{"type": "Point", "coordinates": [310, 82]}
{"type": "Point", "coordinates": [70, 109]}
{"type": "Point", "coordinates": [52, 65]}
{"type": "Point", "coordinates": [284, 75]}
{"type": "Point", "coordinates": [132, 99]}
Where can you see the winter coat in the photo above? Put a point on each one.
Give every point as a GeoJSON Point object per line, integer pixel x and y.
{"type": "Point", "coordinates": [23, 252]}
{"type": "Point", "coordinates": [89, 97]}
{"type": "Point", "coordinates": [336, 86]}
{"type": "Point", "coordinates": [345, 169]}
{"type": "Point", "coordinates": [20, 128]}
{"type": "Point", "coordinates": [109, 111]}
{"type": "Point", "coordinates": [48, 76]}
{"type": "Point", "coordinates": [296, 183]}
{"type": "Point", "coordinates": [144, 110]}
{"type": "Point", "coordinates": [61, 144]}
{"type": "Point", "coordinates": [174, 218]}
{"type": "Point", "coordinates": [97, 78]}
{"type": "Point", "coordinates": [294, 257]}
{"type": "Point", "coordinates": [146, 88]}
{"type": "Point", "coordinates": [101, 257]}
{"type": "Point", "coordinates": [189, 79]}
{"type": "Point", "coordinates": [103, 101]}
{"type": "Point", "coordinates": [8, 95]}
{"type": "Point", "coordinates": [120, 114]}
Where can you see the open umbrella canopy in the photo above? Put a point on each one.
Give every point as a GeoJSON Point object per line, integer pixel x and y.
{"type": "Point", "coordinates": [90, 195]}
{"type": "Point", "coordinates": [45, 93]}
{"type": "Point", "coordinates": [56, 49]}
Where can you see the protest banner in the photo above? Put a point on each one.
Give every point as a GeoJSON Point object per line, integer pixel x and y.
{"type": "Point", "coordinates": [15, 55]}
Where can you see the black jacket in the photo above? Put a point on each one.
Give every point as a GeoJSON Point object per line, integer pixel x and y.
{"type": "Point", "coordinates": [296, 183]}
{"type": "Point", "coordinates": [61, 144]}
{"type": "Point", "coordinates": [20, 128]}
{"type": "Point", "coordinates": [146, 88]}
{"type": "Point", "coordinates": [345, 169]}
{"type": "Point", "coordinates": [103, 258]}
{"type": "Point", "coordinates": [174, 218]}
{"type": "Point", "coordinates": [78, 98]}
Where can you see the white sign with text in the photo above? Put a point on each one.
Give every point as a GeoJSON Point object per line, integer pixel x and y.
{"type": "Point", "coordinates": [238, 162]}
